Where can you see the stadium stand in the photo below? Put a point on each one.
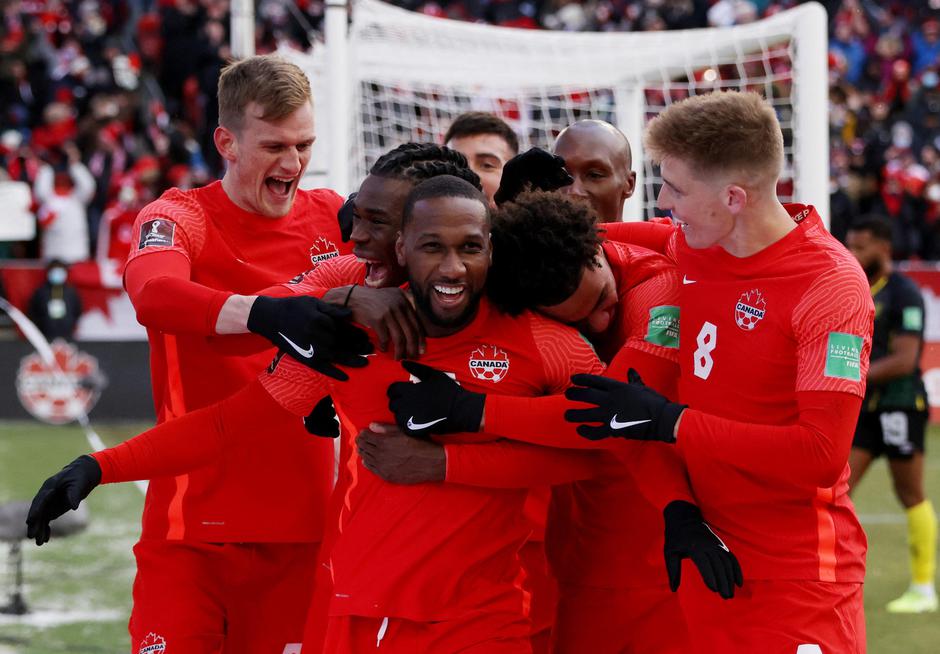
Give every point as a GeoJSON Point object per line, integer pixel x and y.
{"type": "Point", "coordinates": [132, 84]}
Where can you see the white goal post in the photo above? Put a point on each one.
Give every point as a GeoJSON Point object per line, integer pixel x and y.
{"type": "Point", "coordinates": [399, 76]}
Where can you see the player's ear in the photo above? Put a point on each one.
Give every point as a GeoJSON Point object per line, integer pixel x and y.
{"type": "Point", "coordinates": [629, 186]}
{"type": "Point", "coordinates": [226, 143]}
{"type": "Point", "coordinates": [735, 198]}
{"type": "Point", "coordinates": [400, 249]}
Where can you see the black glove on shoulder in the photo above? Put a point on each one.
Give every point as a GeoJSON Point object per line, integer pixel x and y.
{"type": "Point", "coordinates": [631, 410]}
{"type": "Point", "coordinates": [535, 169]}
{"type": "Point", "coordinates": [62, 491]}
{"type": "Point", "coordinates": [314, 332]}
{"type": "Point", "coordinates": [689, 536]}
{"type": "Point", "coordinates": [345, 217]}
{"type": "Point", "coordinates": [436, 404]}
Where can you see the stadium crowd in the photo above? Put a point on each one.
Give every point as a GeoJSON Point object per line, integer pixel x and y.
{"type": "Point", "coordinates": [125, 90]}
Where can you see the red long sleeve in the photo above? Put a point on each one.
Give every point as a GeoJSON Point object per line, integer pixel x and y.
{"type": "Point", "coordinates": [508, 464]}
{"type": "Point", "coordinates": [541, 420]}
{"type": "Point", "coordinates": [167, 300]}
{"type": "Point", "coordinates": [196, 439]}
{"type": "Point", "coordinates": [656, 372]}
{"type": "Point", "coordinates": [812, 452]}
{"type": "Point", "coordinates": [652, 236]}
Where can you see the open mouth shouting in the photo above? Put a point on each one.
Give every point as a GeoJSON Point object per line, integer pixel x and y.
{"type": "Point", "coordinates": [377, 272]}
{"type": "Point", "coordinates": [281, 188]}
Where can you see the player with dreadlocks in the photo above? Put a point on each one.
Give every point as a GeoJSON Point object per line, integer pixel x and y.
{"type": "Point", "coordinates": [366, 281]}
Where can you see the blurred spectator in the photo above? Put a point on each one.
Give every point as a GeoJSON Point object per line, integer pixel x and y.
{"type": "Point", "coordinates": [115, 231]}
{"type": "Point", "coordinates": [63, 193]}
{"type": "Point", "coordinates": [926, 45]}
{"type": "Point", "coordinates": [55, 306]}
{"type": "Point", "coordinates": [133, 83]}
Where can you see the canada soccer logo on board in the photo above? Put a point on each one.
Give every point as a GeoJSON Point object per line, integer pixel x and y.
{"type": "Point", "coordinates": [750, 310]}
{"type": "Point", "coordinates": [59, 397]}
{"type": "Point", "coordinates": [321, 250]}
{"type": "Point", "coordinates": [489, 363]}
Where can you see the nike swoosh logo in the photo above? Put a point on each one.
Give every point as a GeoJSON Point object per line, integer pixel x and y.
{"type": "Point", "coordinates": [721, 543]}
{"type": "Point", "coordinates": [305, 353]}
{"type": "Point", "coordinates": [686, 280]}
{"type": "Point", "coordinates": [615, 424]}
{"type": "Point", "coordinates": [422, 425]}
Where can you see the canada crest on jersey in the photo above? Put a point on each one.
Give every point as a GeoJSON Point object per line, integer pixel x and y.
{"type": "Point", "coordinates": [489, 363]}
{"type": "Point", "coordinates": [750, 309]}
{"type": "Point", "coordinates": [59, 394]}
{"type": "Point", "coordinates": [321, 250]}
{"type": "Point", "coordinates": [152, 644]}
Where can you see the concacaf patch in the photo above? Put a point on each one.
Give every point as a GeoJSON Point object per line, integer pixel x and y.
{"type": "Point", "coordinates": [912, 319]}
{"type": "Point", "coordinates": [844, 356]}
{"type": "Point", "coordinates": [157, 233]}
{"type": "Point", "coordinates": [489, 363]}
{"type": "Point", "coordinates": [663, 326]}
{"type": "Point", "coordinates": [750, 309]}
{"type": "Point", "coordinates": [152, 644]}
{"type": "Point", "coordinates": [321, 250]}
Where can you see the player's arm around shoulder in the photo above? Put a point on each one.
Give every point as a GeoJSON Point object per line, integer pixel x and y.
{"type": "Point", "coordinates": [563, 352]}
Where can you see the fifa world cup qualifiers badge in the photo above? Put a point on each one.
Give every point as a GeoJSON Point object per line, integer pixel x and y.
{"type": "Point", "coordinates": [157, 233]}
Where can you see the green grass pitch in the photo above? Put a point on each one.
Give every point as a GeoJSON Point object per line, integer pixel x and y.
{"type": "Point", "coordinates": [79, 588]}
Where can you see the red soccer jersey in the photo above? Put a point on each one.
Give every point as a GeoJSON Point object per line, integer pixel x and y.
{"type": "Point", "coordinates": [647, 312]}
{"type": "Point", "coordinates": [436, 551]}
{"type": "Point", "coordinates": [232, 250]}
{"type": "Point", "coordinates": [756, 332]}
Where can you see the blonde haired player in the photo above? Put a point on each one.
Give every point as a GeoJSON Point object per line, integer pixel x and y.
{"type": "Point", "coordinates": [223, 565]}
{"type": "Point", "coordinates": [774, 344]}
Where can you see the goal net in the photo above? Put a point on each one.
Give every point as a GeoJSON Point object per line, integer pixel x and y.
{"type": "Point", "coordinates": [406, 76]}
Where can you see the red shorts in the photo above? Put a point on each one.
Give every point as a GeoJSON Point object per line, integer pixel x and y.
{"type": "Point", "coordinates": [202, 598]}
{"type": "Point", "coordinates": [619, 621]}
{"type": "Point", "coordinates": [775, 617]}
{"type": "Point", "coordinates": [543, 591]}
{"type": "Point", "coordinates": [316, 622]}
{"type": "Point", "coordinates": [482, 634]}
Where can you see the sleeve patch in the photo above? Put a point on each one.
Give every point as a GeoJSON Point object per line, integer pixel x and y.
{"type": "Point", "coordinates": [843, 356]}
{"type": "Point", "coordinates": [155, 233]}
{"type": "Point", "coordinates": [663, 326]}
{"type": "Point", "coordinates": [912, 319]}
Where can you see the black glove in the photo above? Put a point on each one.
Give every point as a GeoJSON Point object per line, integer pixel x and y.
{"type": "Point", "coordinates": [322, 420]}
{"type": "Point", "coordinates": [345, 217]}
{"type": "Point", "coordinates": [62, 491]}
{"type": "Point", "coordinates": [316, 333]}
{"type": "Point", "coordinates": [435, 405]}
{"type": "Point", "coordinates": [689, 536]}
{"type": "Point", "coordinates": [631, 410]}
{"type": "Point", "coordinates": [531, 170]}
